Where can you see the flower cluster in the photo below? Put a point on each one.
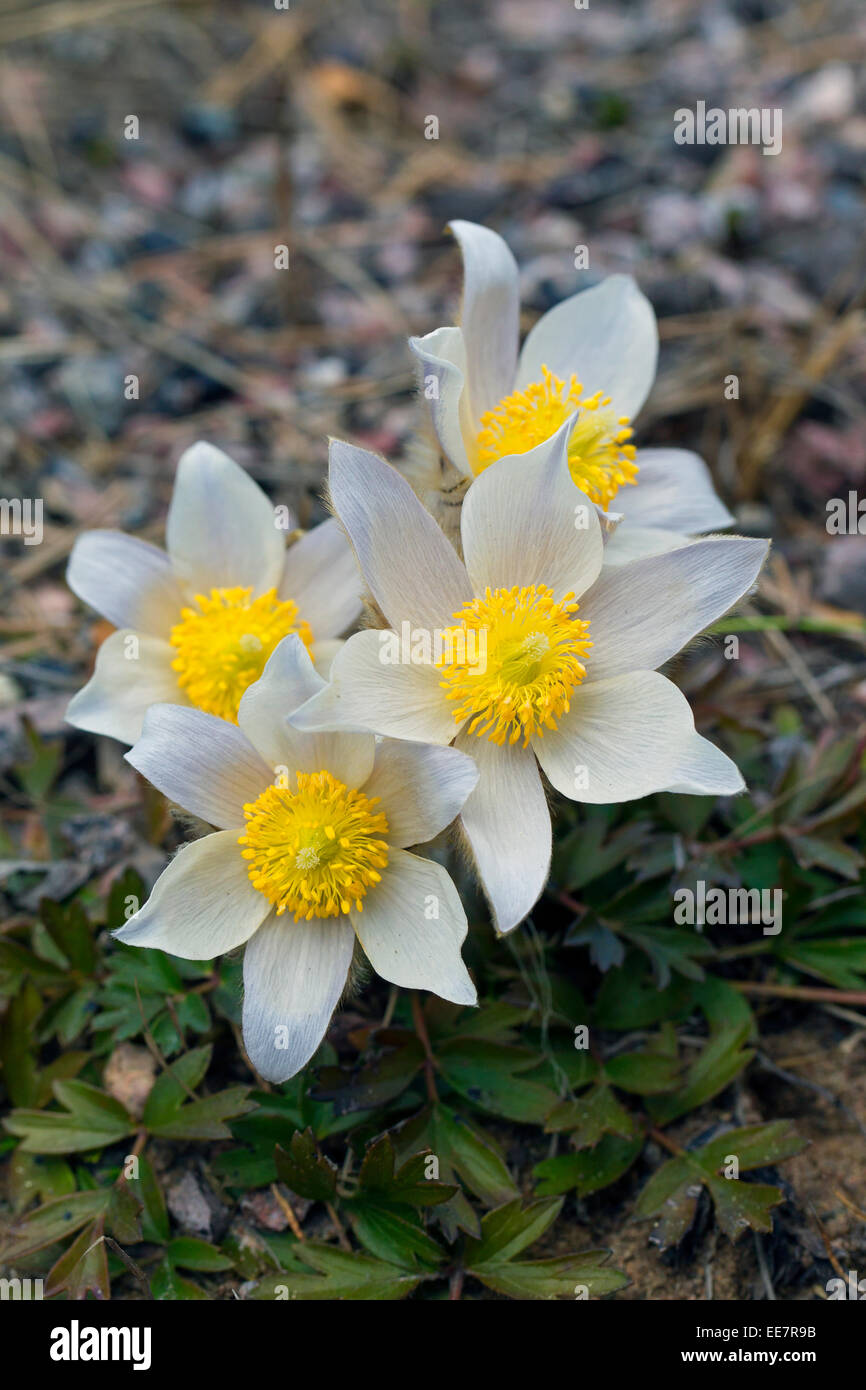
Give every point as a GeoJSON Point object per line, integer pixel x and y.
{"type": "Point", "coordinates": [510, 655]}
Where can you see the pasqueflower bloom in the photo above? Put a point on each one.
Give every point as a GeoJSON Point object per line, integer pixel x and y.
{"type": "Point", "coordinates": [310, 853]}
{"type": "Point", "coordinates": [543, 658]}
{"type": "Point", "coordinates": [196, 625]}
{"type": "Point", "coordinates": [595, 354]}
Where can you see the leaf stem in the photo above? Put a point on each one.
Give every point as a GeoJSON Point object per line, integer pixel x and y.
{"type": "Point", "coordinates": [342, 1238]}
{"type": "Point", "coordinates": [424, 1039]}
{"type": "Point", "coordinates": [661, 1138]}
{"type": "Point", "coordinates": [822, 996]}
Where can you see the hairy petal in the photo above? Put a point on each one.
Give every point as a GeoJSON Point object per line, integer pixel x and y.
{"type": "Point", "coordinates": [294, 974]}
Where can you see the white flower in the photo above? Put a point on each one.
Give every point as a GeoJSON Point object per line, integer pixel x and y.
{"type": "Point", "coordinates": [309, 853]}
{"type": "Point", "coordinates": [197, 625]}
{"type": "Point", "coordinates": [594, 352]}
{"type": "Point", "coordinates": [576, 689]}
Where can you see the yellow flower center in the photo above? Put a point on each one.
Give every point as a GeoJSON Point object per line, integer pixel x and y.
{"type": "Point", "coordinates": [531, 659]}
{"type": "Point", "coordinates": [317, 850]}
{"type": "Point", "coordinates": [600, 458]}
{"type": "Point", "coordinates": [222, 645]}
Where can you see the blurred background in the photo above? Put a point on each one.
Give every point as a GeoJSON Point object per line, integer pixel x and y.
{"type": "Point", "coordinates": [154, 155]}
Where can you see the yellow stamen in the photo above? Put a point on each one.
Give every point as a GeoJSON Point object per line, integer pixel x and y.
{"type": "Point", "coordinates": [223, 644]}
{"type": "Point", "coordinates": [600, 458]}
{"type": "Point", "coordinates": [534, 652]}
{"type": "Point", "coordinates": [314, 851]}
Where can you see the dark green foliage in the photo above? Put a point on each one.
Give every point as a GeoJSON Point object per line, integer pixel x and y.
{"type": "Point", "coordinates": [393, 1171]}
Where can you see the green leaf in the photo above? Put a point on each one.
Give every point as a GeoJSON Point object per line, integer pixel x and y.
{"type": "Point", "coordinates": [630, 997]}
{"type": "Point", "coordinates": [590, 1170]}
{"type": "Point", "coordinates": [68, 1018]}
{"type": "Point", "coordinates": [379, 1080]}
{"type": "Point", "coordinates": [564, 1276]}
{"type": "Point", "coordinates": [755, 1146]}
{"type": "Point", "coordinates": [19, 1063]}
{"type": "Point", "coordinates": [494, 1021]}
{"type": "Point", "coordinates": [83, 1268]}
{"type": "Point", "coordinates": [92, 1120]}
{"type": "Point", "coordinates": [154, 1222]}
{"type": "Point", "coordinates": [38, 774]}
{"type": "Point", "coordinates": [464, 1150]}
{"type": "Point", "coordinates": [123, 1214]}
{"type": "Point", "coordinates": [174, 1085]}
{"type": "Point", "coordinates": [407, 1185]}
{"type": "Point", "coordinates": [37, 1175]}
{"type": "Point", "coordinates": [741, 1206]}
{"type": "Point", "coordinates": [92, 1106]}
{"type": "Point", "coordinates": [723, 1058]}
{"type": "Point", "coordinates": [394, 1234]}
{"type": "Point", "coordinates": [591, 1116]}
{"type": "Point", "coordinates": [307, 1172]}
{"type": "Point", "coordinates": [643, 1073]}
{"type": "Point", "coordinates": [671, 950]}
{"type": "Point", "coordinates": [167, 1117]}
{"type": "Point", "coordinates": [731, 1025]}
{"type": "Point", "coordinates": [338, 1274]}
{"type": "Point", "coordinates": [52, 1222]}
{"type": "Point", "coordinates": [590, 851]}
{"type": "Point", "coordinates": [169, 1286]}
{"type": "Point", "coordinates": [839, 960]}
{"type": "Point", "coordinates": [489, 1075]}
{"type": "Point", "coordinates": [671, 1195]}
{"type": "Point", "coordinates": [509, 1229]}
{"type": "Point", "coordinates": [205, 1119]}
{"type": "Point", "coordinates": [186, 1252]}
{"type": "Point", "coordinates": [128, 886]}
{"type": "Point", "coordinates": [17, 963]}
{"type": "Point", "coordinates": [71, 933]}
{"type": "Point", "coordinates": [829, 854]}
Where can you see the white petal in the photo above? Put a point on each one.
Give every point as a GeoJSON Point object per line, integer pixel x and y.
{"type": "Point", "coordinates": [508, 826]}
{"type": "Point", "coordinates": [122, 688]}
{"type": "Point", "coordinates": [402, 701]}
{"type": "Point", "coordinates": [422, 788]}
{"type": "Point", "coordinates": [285, 684]}
{"type": "Point", "coordinates": [606, 336]}
{"type": "Point", "coordinates": [403, 942]}
{"type": "Point", "coordinates": [674, 491]}
{"type": "Point", "coordinates": [704, 770]}
{"type": "Point", "coordinates": [128, 581]}
{"type": "Point", "coordinates": [202, 905]}
{"type": "Point", "coordinates": [489, 314]}
{"type": "Point", "coordinates": [409, 567]}
{"type": "Point", "coordinates": [320, 575]}
{"type": "Point", "coordinates": [294, 974]}
{"type": "Point", "coordinates": [524, 522]}
{"type": "Point", "coordinates": [629, 542]}
{"type": "Point", "coordinates": [643, 613]}
{"type": "Point", "coordinates": [626, 738]}
{"type": "Point", "coordinates": [441, 357]}
{"type": "Point", "coordinates": [203, 763]}
{"type": "Point", "coordinates": [221, 530]}
{"type": "Point", "coordinates": [323, 656]}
